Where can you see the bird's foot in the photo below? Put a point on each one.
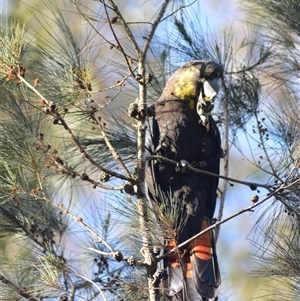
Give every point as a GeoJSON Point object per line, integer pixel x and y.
{"type": "Point", "coordinates": [199, 164]}
{"type": "Point", "coordinates": [182, 166]}
{"type": "Point", "coordinates": [131, 261]}
{"type": "Point", "coordinates": [159, 275]}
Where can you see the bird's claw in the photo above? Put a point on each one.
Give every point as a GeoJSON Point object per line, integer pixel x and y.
{"type": "Point", "coordinates": [182, 166]}
{"type": "Point", "coordinates": [131, 261]}
{"type": "Point", "coordinates": [199, 164]}
{"type": "Point", "coordinates": [159, 275]}
{"type": "Point", "coordinates": [206, 106]}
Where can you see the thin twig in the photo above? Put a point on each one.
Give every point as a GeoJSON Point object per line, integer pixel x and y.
{"type": "Point", "coordinates": [126, 27]}
{"type": "Point", "coordinates": [112, 150]}
{"type": "Point", "coordinates": [93, 283]}
{"type": "Point", "coordinates": [128, 31]}
{"type": "Point", "coordinates": [179, 9]}
{"type": "Point", "coordinates": [154, 27]}
{"type": "Point", "coordinates": [110, 101]}
{"type": "Point", "coordinates": [274, 173]}
{"type": "Point", "coordinates": [87, 156]}
{"type": "Point", "coordinates": [83, 177]}
{"type": "Point", "coordinates": [16, 289]}
{"type": "Point", "coordinates": [102, 252]}
{"type": "Point", "coordinates": [87, 19]}
{"type": "Point", "coordinates": [113, 254]}
{"type": "Point", "coordinates": [119, 84]}
{"type": "Point", "coordinates": [32, 88]}
{"type": "Point", "coordinates": [254, 163]}
{"type": "Point", "coordinates": [243, 70]}
{"type": "Point", "coordinates": [139, 22]}
{"type": "Point", "coordinates": [72, 287]}
{"type": "Point", "coordinates": [80, 221]}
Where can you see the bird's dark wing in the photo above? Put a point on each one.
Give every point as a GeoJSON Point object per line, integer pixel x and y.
{"type": "Point", "coordinates": [152, 138]}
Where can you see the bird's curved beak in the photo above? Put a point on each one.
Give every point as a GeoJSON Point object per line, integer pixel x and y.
{"type": "Point", "coordinates": [206, 98]}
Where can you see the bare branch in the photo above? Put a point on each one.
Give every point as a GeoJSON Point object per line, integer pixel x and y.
{"type": "Point", "coordinates": [125, 25]}
{"type": "Point", "coordinates": [111, 100]}
{"type": "Point", "coordinates": [83, 177]}
{"type": "Point", "coordinates": [179, 9]}
{"type": "Point", "coordinates": [153, 28]}
{"type": "Point", "coordinates": [103, 37]}
{"type": "Point", "coordinates": [128, 31]}
{"type": "Point", "coordinates": [142, 201]}
{"type": "Point", "coordinates": [119, 84]}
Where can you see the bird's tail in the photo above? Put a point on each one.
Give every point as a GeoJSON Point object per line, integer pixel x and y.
{"type": "Point", "coordinates": [204, 265]}
{"type": "Point", "coordinates": [194, 273]}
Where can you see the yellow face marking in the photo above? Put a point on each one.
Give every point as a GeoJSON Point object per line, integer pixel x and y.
{"type": "Point", "coordinates": [185, 86]}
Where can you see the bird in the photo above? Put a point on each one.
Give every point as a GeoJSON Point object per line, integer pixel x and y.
{"type": "Point", "coordinates": [181, 129]}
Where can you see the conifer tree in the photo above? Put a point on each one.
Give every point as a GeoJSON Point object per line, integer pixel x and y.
{"type": "Point", "coordinates": [77, 84]}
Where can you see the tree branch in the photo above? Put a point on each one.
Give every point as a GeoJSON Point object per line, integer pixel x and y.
{"type": "Point", "coordinates": [179, 9]}
{"type": "Point", "coordinates": [142, 201]}
{"type": "Point", "coordinates": [74, 139]}
{"type": "Point", "coordinates": [128, 32]}
{"type": "Point", "coordinates": [93, 283]}
{"type": "Point", "coordinates": [251, 185]}
{"type": "Point", "coordinates": [84, 177]}
{"type": "Point", "coordinates": [226, 158]}
{"type": "Point", "coordinates": [112, 150]}
{"type": "Point", "coordinates": [80, 221]}
{"type": "Point", "coordinates": [86, 155]}
{"type": "Point", "coordinates": [16, 289]}
{"type": "Point", "coordinates": [154, 27]}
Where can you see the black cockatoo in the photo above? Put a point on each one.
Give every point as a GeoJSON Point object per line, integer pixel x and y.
{"type": "Point", "coordinates": [182, 129]}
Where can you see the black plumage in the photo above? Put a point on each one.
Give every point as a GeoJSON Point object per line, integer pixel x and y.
{"type": "Point", "coordinates": [182, 129]}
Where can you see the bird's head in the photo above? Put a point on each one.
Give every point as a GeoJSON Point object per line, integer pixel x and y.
{"type": "Point", "coordinates": [197, 82]}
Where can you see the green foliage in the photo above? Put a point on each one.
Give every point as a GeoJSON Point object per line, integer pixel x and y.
{"type": "Point", "coordinates": [13, 44]}
{"type": "Point", "coordinates": [284, 14]}
{"type": "Point", "coordinates": [277, 234]}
